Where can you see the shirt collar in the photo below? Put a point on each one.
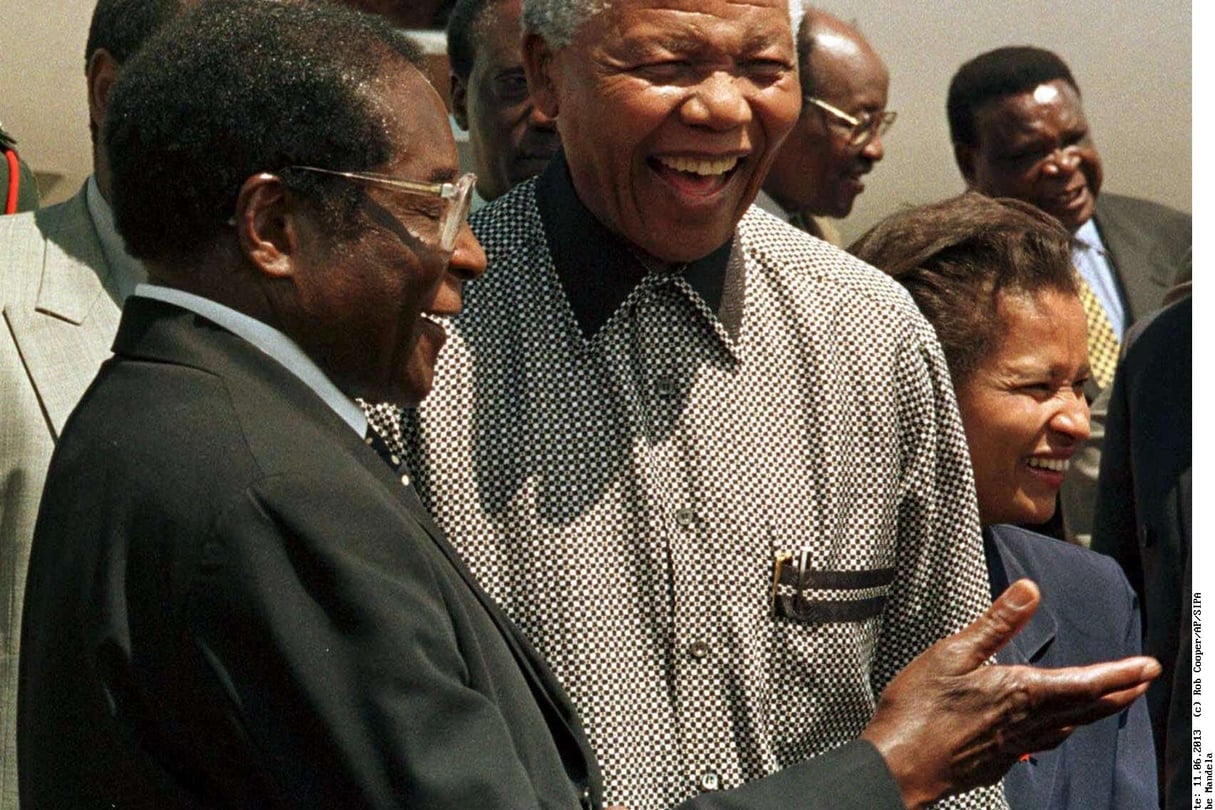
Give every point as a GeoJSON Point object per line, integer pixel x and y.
{"type": "Point", "coordinates": [274, 343]}
{"type": "Point", "coordinates": [125, 271]}
{"type": "Point", "coordinates": [1089, 237]}
{"type": "Point", "coordinates": [598, 268]}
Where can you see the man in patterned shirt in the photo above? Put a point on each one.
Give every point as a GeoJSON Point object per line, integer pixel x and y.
{"type": "Point", "coordinates": [711, 465]}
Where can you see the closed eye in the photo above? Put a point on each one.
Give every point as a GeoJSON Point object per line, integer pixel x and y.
{"type": "Point", "coordinates": [668, 71]}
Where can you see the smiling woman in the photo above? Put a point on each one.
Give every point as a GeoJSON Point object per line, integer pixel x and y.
{"type": "Point", "coordinates": [994, 278]}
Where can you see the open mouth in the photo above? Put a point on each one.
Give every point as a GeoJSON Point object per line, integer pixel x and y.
{"type": "Point", "coordinates": [697, 176]}
{"type": "Point", "coordinates": [1069, 199]}
{"type": "Point", "coordinates": [1057, 465]}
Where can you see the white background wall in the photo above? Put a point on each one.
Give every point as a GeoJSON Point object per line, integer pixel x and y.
{"type": "Point", "coordinates": [1132, 59]}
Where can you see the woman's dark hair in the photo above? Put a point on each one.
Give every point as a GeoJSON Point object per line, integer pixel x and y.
{"type": "Point", "coordinates": [956, 258]}
{"type": "Point", "coordinates": [232, 88]}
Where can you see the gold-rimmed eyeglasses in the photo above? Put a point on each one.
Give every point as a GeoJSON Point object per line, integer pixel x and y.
{"type": "Point", "coordinates": [458, 195]}
{"type": "Point", "coordinates": [861, 129]}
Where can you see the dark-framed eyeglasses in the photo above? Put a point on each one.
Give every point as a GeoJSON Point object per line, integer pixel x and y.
{"type": "Point", "coordinates": [861, 129]}
{"type": "Point", "coordinates": [458, 195]}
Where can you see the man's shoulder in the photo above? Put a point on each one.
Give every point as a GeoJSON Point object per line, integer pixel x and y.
{"type": "Point", "coordinates": [1135, 212]}
{"type": "Point", "coordinates": [821, 269]}
{"type": "Point", "coordinates": [1061, 568]}
{"type": "Point", "coordinates": [509, 219]}
{"type": "Point", "coordinates": [24, 237]}
{"type": "Point", "coordinates": [71, 213]}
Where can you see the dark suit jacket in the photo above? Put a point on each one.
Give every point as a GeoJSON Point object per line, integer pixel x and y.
{"type": "Point", "coordinates": [1143, 515]}
{"type": "Point", "coordinates": [1148, 246]}
{"type": "Point", "coordinates": [1088, 614]}
{"type": "Point", "coordinates": [232, 601]}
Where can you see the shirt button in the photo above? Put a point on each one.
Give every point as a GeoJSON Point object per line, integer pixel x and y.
{"type": "Point", "coordinates": [405, 479]}
{"type": "Point", "coordinates": [709, 781]}
{"type": "Point", "coordinates": [698, 649]}
{"type": "Point", "coordinates": [666, 387]}
{"type": "Point", "coordinates": [685, 517]}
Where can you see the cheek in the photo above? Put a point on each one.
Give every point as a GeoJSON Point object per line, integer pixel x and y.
{"type": "Point", "coordinates": [777, 109]}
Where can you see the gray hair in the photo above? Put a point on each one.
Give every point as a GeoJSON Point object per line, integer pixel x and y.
{"type": "Point", "coordinates": [557, 21]}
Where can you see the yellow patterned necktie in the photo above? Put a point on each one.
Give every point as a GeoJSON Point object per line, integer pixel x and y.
{"type": "Point", "coordinates": [1102, 342]}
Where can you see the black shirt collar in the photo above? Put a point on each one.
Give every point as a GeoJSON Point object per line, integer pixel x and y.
{"type": "Point", "coordinates": [598, 268]}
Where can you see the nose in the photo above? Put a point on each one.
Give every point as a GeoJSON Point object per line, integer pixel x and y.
{"type": "Point", "coordinates": [1063, 160]}
{"type": "Point", "coordinates": [717, 103]}
{"type": "Point", "coordinates": [467, 258]}
{"type": "Point", "coordinates": [874, 150]}
{"type": "Point", "coordinates": [1071, 420]}
{"type": "Point", "coordinates": [537, 119]}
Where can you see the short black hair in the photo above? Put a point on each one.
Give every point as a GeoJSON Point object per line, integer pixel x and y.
{"type": "Point", "coordinates": [233, 88]}
{"type": "Point", "coordinates": [465, 33]}
{"type": "Point", "coordinates": [994, 75]}
{"type": "Point", "coordinates": [956, 257]}
{"type": "Point", "coordinates": [122, 26]}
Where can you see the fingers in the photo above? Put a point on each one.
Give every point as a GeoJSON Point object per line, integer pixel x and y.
{"type": "Point", "coordinates": [988, 634]}
{"type": "Point", "coordinates": [1083, 694]}
{"type": "Point", "coordinates": [1061, 699]}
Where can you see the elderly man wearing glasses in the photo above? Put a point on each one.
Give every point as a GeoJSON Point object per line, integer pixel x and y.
{"type": "Point", "coordinates": [818, 172]}
{"type": "Point", "coordinates": [233, 600]}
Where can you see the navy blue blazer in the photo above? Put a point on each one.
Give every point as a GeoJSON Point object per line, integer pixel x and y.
{"type": "Point", "coordinates": [1088, 614]}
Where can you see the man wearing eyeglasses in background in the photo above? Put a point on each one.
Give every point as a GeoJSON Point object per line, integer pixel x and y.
{"type": "Point", "coordinates": [818, 171]}
{"type": "Point", "coordinates": [509, 138]}
{"type": "Point", "coordinates": [233, 600]}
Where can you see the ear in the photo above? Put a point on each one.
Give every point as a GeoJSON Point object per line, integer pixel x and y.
{"type": "Point", "coordinates": [459, 101]}
{"type": "Point", "coordinates": [538, 66]}
{"type": "Point", "coordinates": [100, 74]}
{"type": "Point", "coordinates": [964, 155]}
{"type": "Point", "coordinates": [267, 225]}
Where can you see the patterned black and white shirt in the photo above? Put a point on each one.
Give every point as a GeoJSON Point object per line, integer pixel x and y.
{"type": "Point", "coordinates": [727, 504]}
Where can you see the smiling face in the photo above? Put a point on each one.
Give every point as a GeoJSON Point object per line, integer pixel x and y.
{"type": "Point", "coordinates": [1036, 147]}
{"type": "Point", "coordinates": [670, 112]}
{"type": "Point", "coordinates": [816, 170]}
{"type": "Point", "coordinates": [362, 303]}
{"type": "Point", "coordinates": [509, 139]}
{"type": "Point", "coordinates": [1024, 409]}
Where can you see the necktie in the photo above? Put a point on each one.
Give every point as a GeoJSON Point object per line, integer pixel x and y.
{"type": "Point", "coordinates": [1102, 342]}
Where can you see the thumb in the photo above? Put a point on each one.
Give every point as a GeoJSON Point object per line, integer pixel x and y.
{"type": "Point", "coordinates": [1006, 617]}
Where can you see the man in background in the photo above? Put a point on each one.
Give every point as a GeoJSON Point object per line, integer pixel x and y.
{"type": "Point", "coordinates": [509, 138]}
{"type": "Point", "coordinates": [819, 170]}
{"type": "Point", "coordinates": [64, 274]}
{"type": "Point", "coordinates": [1019, 130]}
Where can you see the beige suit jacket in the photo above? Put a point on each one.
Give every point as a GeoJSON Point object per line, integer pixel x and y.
{"type": "Point", "coordinates": [59, 318]}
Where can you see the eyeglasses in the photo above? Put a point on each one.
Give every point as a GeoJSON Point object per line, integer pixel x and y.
{"type": "Point", "coordinates": [863, 128]}
{"type": "Point", "coordinates": [458, 196]}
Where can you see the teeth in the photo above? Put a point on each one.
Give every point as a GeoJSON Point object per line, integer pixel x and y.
{"type": "Point", "coordinates": [699, 166]}
{"type": "Point", "coordinates": [1052, 464]}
